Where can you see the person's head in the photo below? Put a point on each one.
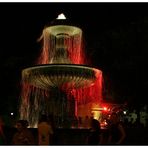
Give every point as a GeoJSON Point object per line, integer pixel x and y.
{"type": "Point", "coordinates": [95, 124]}
{"type": "Point", "coordinates": [114, 118]}
{"type": "Point", "coordinates": [21, 124]}
{"type": "Point", "coordinates": [43, 118]}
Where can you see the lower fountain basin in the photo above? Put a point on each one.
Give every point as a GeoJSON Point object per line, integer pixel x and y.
{"type": "Point", "coordinates": [65, 76]}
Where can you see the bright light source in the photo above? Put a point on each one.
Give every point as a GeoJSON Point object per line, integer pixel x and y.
{"type": "Point", "coordinates": [124, 112]}
{"type": "Point", "coordinates": [105, 123]}
{"type": "Point", "coordinates": [61, 17]}
{"type": "Point", "coordinates": [105, 108]}
{"type": "Point", "coordinates": [11, 114]}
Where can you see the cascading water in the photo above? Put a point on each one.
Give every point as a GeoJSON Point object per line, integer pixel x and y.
{"type": "Point", "coordinates": [60, 84]}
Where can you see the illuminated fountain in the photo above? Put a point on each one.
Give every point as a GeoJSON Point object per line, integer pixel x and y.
{"type": "Point", "coordinates": [60, 84]}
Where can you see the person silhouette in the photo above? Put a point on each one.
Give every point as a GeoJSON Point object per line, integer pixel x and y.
{"type": "Point", "coordinates": [95, 136]}
{"type": "Point", "coordinates": [116, 130]}
{"type": "Point", "coordinates": [45, 130]}
{"type": "Point", "coordinates": [2, 135]}
{"type": "Point", "coordinates": [23, 136]}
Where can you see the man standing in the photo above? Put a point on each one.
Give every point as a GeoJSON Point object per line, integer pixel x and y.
{"type": "Point", "coordinates": [45, 131]}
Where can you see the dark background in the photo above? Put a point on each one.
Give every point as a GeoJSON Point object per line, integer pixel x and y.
{"type": "Point", "coordinates": [116, 41]}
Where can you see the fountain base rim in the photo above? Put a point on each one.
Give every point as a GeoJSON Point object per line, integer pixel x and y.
{"type": "Point", "coordinates": [60, 75]}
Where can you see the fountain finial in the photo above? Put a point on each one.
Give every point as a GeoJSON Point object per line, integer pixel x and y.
{"type": "Point", "coordinates": [61, 17]}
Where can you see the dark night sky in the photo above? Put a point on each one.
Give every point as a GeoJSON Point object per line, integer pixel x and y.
{"type": "Point", "coordinates": [116, 40]}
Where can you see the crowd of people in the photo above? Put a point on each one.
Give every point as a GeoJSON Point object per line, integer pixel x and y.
{"type": "Point", "coordinates": [45, 131]}
{"type": "Point", "coordinates": [116, 132]}
{"type": "Point", "coordinates": [116, 125]}
{"type": "Point", "coordinates": [24, 136]}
